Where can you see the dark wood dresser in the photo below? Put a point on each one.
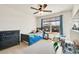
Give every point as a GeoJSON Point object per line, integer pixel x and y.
{"type": "Point", "coordinates": [9, 38]}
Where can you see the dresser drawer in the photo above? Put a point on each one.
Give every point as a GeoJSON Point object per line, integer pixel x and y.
{"type": "Point", "coordinates": [9, 38]}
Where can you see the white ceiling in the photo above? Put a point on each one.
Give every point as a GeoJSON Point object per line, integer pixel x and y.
{"type": "Point", "coordinates": [25, 8]}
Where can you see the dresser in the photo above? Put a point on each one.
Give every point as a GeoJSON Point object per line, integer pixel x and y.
{"type": "Point", "coordinates": [9, 38]}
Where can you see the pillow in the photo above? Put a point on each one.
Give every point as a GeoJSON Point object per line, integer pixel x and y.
{"type": "Point", "coordinates": [32, 35]}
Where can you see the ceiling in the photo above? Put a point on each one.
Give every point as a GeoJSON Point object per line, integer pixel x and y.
{"type": "Point", "coordinates": [25, 8]}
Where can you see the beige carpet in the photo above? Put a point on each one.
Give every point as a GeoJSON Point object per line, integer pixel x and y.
{"type": "Point", "coordinates": [41, 47]}
{"type": "Point", "coordinates": [14, 49]}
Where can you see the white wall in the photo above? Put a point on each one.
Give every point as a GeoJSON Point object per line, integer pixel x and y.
{"type": "Point", "coordinates": [12, 19]}
{"type": "Point", "coordinates": [67, 21]}
{"type": "Point", "coordinates": [74, 35]}
{"type": "Point", "coordinates": [75, 10]}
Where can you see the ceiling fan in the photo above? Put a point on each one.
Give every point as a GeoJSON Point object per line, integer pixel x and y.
{"type": "Point", "coordinates": [41, 8]}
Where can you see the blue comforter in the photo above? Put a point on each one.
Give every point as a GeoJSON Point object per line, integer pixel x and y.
{"type": "Point", "coordinates": [34, 38]}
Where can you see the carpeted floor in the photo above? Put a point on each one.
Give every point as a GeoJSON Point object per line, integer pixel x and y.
{"type": "Point", "coordinates": [41, 47]}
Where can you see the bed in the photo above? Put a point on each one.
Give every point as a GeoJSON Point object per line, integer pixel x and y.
{"type": "Point", "coordinates": [32, 37]}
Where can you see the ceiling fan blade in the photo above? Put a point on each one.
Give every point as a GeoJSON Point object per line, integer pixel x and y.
{"type": "Point", "coordinates": [35, 13]}
{"type": "Point", "coordinates": [47, 10]}
{"type": "Point", "coordinates": [45, 5]}
{"type": "Point", "coordinates": [33, 8]}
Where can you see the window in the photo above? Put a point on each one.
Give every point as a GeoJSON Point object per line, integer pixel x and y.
{"type": "Point", "coordinates": [53, 24]}
{"type": "Point", "coordinates": [75, 25]}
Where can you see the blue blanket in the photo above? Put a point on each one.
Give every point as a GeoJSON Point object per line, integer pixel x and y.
{"type": "Point", "coordinates": [34, 38]}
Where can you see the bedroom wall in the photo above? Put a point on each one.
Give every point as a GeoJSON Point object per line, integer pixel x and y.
{"type": "Point", "coordinates": [67, 21]}
{"type": "Point", "coordinates": [16, 18]}
{"type": "Point", "coordinates": [13, 19]}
